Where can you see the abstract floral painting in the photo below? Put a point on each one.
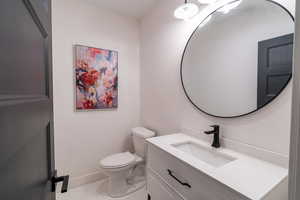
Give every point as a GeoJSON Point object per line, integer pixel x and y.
{"type": "Point", "coordinates": [96, 78]}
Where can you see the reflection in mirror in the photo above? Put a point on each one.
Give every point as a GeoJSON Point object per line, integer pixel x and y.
{"type": "Point", "coordinates": [239, 59]}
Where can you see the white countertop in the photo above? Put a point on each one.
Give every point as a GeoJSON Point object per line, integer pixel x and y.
{"type": "Point", "coordinates": [249, 176]}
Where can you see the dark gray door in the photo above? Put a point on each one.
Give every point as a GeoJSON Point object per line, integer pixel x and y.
{"type": "Point", "coordinates": [275, 64]}
{"type": "Point", "coordinates": [26, 110]}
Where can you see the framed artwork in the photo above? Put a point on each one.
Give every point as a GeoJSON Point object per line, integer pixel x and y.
{"type": "Point", "coordinates": [96, 74]}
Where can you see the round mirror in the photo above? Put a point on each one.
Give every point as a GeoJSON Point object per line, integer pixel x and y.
{"type": "Point", "coordinates": [239, 58]}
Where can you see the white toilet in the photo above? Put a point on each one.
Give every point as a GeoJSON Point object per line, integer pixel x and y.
{"type": "Point", "coordinates": [126, 171]}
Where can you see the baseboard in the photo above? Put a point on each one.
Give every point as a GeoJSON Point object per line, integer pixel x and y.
{"type": "Point", "coordinates": [86, 179]}
{"type": "Point", "coordinates": [251, 150]}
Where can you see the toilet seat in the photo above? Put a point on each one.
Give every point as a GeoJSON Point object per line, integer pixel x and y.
{"type": "Point", "coordinates": [118, 160]}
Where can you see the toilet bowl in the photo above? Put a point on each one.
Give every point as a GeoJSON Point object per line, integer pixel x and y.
{"type": "Point", "coordinates": [126, 170]}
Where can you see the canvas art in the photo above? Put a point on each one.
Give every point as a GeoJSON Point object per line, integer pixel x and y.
{"type": "Point", "coordinates": [96, 78]}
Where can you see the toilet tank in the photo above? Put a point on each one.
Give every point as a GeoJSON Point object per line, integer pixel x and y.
{"type": "Point", "coordinates": [139, 135]}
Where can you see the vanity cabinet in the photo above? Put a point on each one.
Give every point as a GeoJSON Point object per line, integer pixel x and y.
{"type": "Point", "coordinates": [171, 179]}
{"type": "Point", "coordinates": [183, 167]}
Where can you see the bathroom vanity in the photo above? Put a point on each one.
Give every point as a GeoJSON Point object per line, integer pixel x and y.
{"type": "Point", "coordinates": [182, 167]}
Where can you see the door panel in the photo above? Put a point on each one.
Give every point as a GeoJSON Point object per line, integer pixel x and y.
{"type": "Point", "coordinates": [20, 121]}
{"type": "Point", "coordinates": [26, 103]}
{"type": "Point", "coordinates": [275, 63]}
{"type": "Point", "coordinates": [30, 185]}
{"type": "Point", "coordinates": [42, 11]}
{"type": "Point", "coordinates": [23, 50]}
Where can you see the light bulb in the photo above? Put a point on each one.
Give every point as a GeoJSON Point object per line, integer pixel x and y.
{"type": "Point", "coordinates": [225, 9]}
{"type": "Point", "coordinates": [186, 11]}
{"type": "Point", "coordinates": [207, 1]}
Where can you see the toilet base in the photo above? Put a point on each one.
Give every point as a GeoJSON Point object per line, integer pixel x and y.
{"type": "Point", "coordinates": [126, 181]}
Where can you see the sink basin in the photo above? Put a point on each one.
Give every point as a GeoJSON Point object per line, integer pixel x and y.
{"type": "Point", "coordinates": [206, 154]}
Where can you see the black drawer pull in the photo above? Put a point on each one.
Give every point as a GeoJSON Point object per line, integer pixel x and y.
{"type": "Point", "coordinates": [179, 181]}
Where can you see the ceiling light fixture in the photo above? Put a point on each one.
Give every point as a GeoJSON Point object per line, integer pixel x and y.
{"type": "Point", "coordinates": [186, 11]}
{"type": "Point", "coordinates": [225, 9]}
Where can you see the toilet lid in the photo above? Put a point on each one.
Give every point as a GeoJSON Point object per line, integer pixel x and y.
{"type": "Point", "coordinates": [118, 160]}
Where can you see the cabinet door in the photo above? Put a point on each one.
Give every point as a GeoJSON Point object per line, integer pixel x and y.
{"type": "Point", "coordinates": [159, 190]}
{"type": "Point", "coordinates": [202, 187]}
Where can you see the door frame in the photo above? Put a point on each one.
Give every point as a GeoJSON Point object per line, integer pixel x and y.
{"type": "Point", "coordinates": [294, 168]}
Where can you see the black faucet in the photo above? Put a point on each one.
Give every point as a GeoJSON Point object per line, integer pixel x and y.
{"type": "Point", "coordinates": [216, 132]}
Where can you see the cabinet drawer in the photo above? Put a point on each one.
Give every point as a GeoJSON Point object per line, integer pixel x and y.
{"type": "Point", "coordinates": [158, 189]}
{"type": "Point", "coordinates": [189, 182]}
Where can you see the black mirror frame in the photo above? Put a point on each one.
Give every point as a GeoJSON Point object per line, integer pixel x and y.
{"type": "Point", "coordinates": [184, 52]}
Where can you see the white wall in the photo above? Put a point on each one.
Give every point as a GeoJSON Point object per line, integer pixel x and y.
{"type": "Point", "coordinates": [164, 106]}
{"type": "Point", "coordinates": [83, 138]}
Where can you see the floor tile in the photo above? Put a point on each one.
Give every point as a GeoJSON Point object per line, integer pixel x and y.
{"type": "Point", "coordinates": [97, 191]}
